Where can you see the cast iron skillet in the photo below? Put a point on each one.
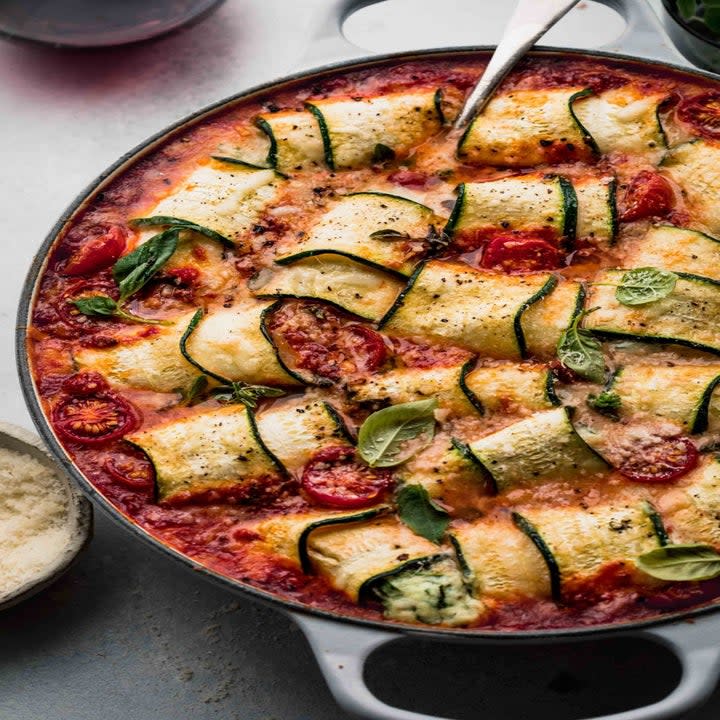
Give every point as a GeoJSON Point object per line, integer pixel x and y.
{"type": "Point", "coordinates": [342, 644]}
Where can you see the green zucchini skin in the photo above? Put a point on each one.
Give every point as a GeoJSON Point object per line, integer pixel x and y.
{"type": "Point", "coordinates": [305, 562]}
{"type": "Point", "coordinates": [464, 449]}
{"type": "Point", "coordinates": [468, 367]}
{"type": "Point", "coordinates": [365, 590]}
{"type": "Point", "coordinates": [657, 523]}
{"type": "Point", "coordinates": [272, 156]}
{"type": "Point", "coordinates": [546, 289]}
{"type": "Point", "coordinates": [356, 258]}
{"type": "Point", "coordinates": [340, 422]}
{"type": "Point", "coordinates": [457, 210]}
{"type": "Point", "coordinates": [256, 434]}
{"type": "Point", "coordinates": [614, 218]}
{"type": "Point", "coordinates": [570, 203]}
{"type": "Point", "coordinates": [403, 294]}
{"type": "Point", "coordinates": [522, 523]}
{"type": "Point", "coordinates": [587, 137]}
{"type": "Point", "coordinates": [324, 133]}
{"type": "Point", "coordinates": [437, 99]}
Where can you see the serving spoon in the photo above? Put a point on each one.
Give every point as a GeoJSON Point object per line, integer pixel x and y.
{"type": "Point", "coordinates": [530, 20]}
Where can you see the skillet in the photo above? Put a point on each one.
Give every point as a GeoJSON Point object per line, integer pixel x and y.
{"type": "Point", "coordinates": [342, 644]}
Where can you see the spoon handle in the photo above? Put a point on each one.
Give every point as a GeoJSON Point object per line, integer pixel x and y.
{"type": "Point", "coordinates": [530, 20]}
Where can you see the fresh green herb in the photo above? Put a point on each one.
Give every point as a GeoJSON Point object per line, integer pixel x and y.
{"type": "Point", "coordinates": [174, 223]}
{"type": "Point", "coordinates": [382, 437]}
{"type": "Point", "coordinates": [389, 234]}
{"type": "Point", "coordinates": [681, 562]}
{"type": "Point", "coordinates": [645, 285]}
{"type": "Point", "coordinates": [228, 391]}
{"type": "Point", "coordinates": [195, 393]}
{"type": "Point", "coordinates": [382, 154]}
{"type": "Point", "coordinates": [607, 403]}
{"type": "Point", "coordinates": [581, 351]}
{"type": "Point", "coordinates": [104, 306]}
{"type": "Point", "coordinates": [134, 270]}
{"type": "Point", "coordinates": [418, 511]}
{"type": "Point", "coordinates": [702, 15]}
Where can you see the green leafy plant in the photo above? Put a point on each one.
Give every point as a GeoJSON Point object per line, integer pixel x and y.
{"type": "Point", "coordinates": [607, 403]}
{"type": "Point", "coordinates": [681, 562]}
{"type": "Point", "coordinates": [389, 234]}
{"type": "Point", "coordinates": [418, 511]}
{"type": "Point", "coordinates": [105, 306]}
{"type": "Point", "coordinates": [382, 154]}
{"type": "Point", "coordinates": [581, 351]}
{"type": "Point", "coordinates": [383, 436]}
{"type": "Point", "coordinates": [645, 285]}
{"type": "Point", "coordinates": [703, 15]}
{"type": "Point", "coordinates": [173, 223]}
{"type": "Point", "coordinates": [229, 391]}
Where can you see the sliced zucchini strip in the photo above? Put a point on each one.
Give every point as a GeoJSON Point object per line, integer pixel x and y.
{"type": "Point", "coordinates": [677, 249]}
{"type": "Point", "coordinates": [509, 387]}
{"type": "Point", "coordinates": [209, 450]}
{"type": "Point", "coordinates": [295, 140]}
{"type": "Point", "coordinates": [452, 303]}
{"type": "Point", "coordinates": [525, 128]}
{"type": "Point", "coordinates": [624, 120]}
{"type": "Point", "coordinates": [681, 393]}
{"type": "Point", "coordinates": [225, 197]}
{"type": "Point", "coordinates": [409, 384]}
{"type": "Point", "coordinates": [353, 128]}
{"type": "Point", "coordinates": [505, 563]}
{"type": "Point", "coordinates": [351, 286]}
{"type": "Point", "coordinates": [354, 557]}
{"type": "Point", "coordinates": [287, 535]}
{"type": "Point", "coordinates": [695, 167]}
{"type": "Point", "coordinates": [580, 541]}
{"type": "Point", "coordinates": [544, 446]}
{"type": "Point", "coordinates": [688, 316]}
{"type": "Point", "coordinates": [296, 430]}
{"type": "Point", "coordinates": [449, 472]}
{"type": "Point", "coordinates": [355, 227]}
{"type": "Point", "coordinates": [690, 512]}
{"type": "Point", "coordinates": [540, 204]}
{"type": "Point", "coordinates": [544, 322]}
{"type": "Point", "coordinates": [435, 593]}
{"type": "Point", "coordinates": [228, 341]}
{"type": "Point", "coordinates": [597, 212]}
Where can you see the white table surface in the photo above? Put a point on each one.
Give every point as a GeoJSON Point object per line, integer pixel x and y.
{"type": "Point", "coordinates": [126, 634]}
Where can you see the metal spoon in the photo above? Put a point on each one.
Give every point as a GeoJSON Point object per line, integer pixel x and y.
{"type": "Point", "coordinates": [530, 20]}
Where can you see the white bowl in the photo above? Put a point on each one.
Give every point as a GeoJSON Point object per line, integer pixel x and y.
{"type": "Point", "coordinates": [80, 514]}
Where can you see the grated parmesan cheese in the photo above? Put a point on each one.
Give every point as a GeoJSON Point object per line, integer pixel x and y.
{"type": "Point", "coordinates": [35, 526]}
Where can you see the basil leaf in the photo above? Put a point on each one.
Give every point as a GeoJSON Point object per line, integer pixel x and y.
{"type": "Point", "coordinates": [687, 8]}
{"type": "Point", "coordinates": [581, 351]}
{"type": "Point", "coordinates": [417, 510]}
{"type": "Point", "coordinates": [195, 392]}
{"type": "Point", "coordinates": [135, 270]}
{"type": "Point", "coordinates": [681, 562]}
{"type": "Point", "coordinates": [645, 285]}
{"type": "Point", "coordinates": [382, 153]}
{"type": "Point", "coordinates": [180, 224]}
{"type": "Point", "coordinates": [383, 434]}
{"type": "Point", "coordinates": [607, 403]}
{"type": "Point", "coordinates": [389, 234]}
{"type": "Point", "coordinates": [96, 306]}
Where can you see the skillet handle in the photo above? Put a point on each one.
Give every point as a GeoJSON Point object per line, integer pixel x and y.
{"type": "Point", "coordinates": [342, 649]}
{"type": "Point", "coordinates": [643, 35]}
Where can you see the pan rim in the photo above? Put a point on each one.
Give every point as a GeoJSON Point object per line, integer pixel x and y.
{"type": "Point", "coordinates": [288, 606]}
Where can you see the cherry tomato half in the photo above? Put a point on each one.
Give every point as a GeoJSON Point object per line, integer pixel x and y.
{"type": "Point", "coordinates": [409, 178]}
{"type": "Point", "coordinates": [666, 460]}
{"type": "Point", "coordinates": [335, 478]}
{"type": "Point", "coordinates": [132, 469]}
{"type": "Point", "coordinates": [703, 113]}
{"type": "Point", "coordinates": [521, 254]}
{"type": "Point", "coordinates": [97, 252]}
{"type": "Point", "coordinates": [648, 195]}
{"type": "Point", "coordinates": [94, 419]}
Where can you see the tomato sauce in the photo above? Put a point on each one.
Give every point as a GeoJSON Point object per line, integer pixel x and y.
{"type": "Point", "coordinates": [214, 529]}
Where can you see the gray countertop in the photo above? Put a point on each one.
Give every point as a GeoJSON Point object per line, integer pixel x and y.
{"type": "Point", "coordinates": [127, 634]}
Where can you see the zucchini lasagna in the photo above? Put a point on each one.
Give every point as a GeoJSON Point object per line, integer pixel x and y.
{"type": "Point", "coordinates": [327, 346]}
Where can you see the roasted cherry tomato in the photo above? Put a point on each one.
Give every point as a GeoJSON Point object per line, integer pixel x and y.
{"type": "Point", "coordinates": [703, 113]}
{"type": "Point", "coordinates": [83, 384]}
{"type": "Point", "coordinates": [648, 195]}
{"type": "Point", "coordinates": [665, 460]}
{"type": "Point", "coordinates": [134, 471]}
{"type": "Point", "coordinates": [335, 478]}
{"type": "Point", "coordinates": [97, 252]}
{"type": "Point", "coordinates": [327, 343]}
{"type": "Point", "coordinates": [521, 254]}
{"type": "Point", "coordinates": [409, 178]}
{"type": "Point", "coordinates": [94, 419]}
{"type": "Point", "coordinates": [83, 289]}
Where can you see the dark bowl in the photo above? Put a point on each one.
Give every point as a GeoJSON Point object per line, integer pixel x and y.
{"type": "Point", "coordinates": [700, 48]}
